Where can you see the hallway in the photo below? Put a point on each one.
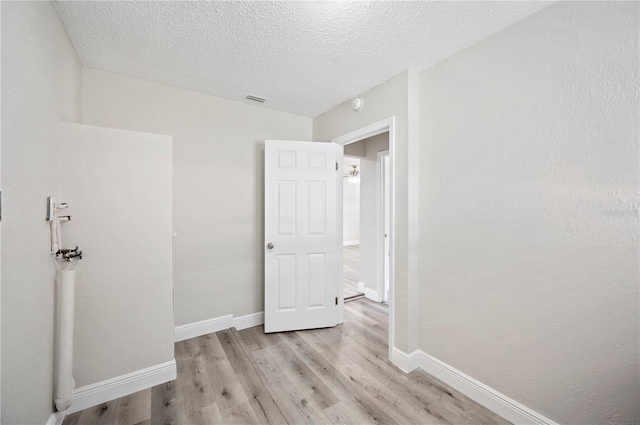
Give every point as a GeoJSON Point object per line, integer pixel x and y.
{"type": "Point", "coordinates": [351, 270]}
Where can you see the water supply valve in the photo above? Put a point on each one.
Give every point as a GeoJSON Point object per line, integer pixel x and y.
{"type": "Point", "coordinates": [68, 254]}
{"type": "Point", "coordinates": [53, 216]}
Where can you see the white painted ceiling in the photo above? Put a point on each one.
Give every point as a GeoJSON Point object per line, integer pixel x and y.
{"type": "Point", "coordinates": [304, 57]}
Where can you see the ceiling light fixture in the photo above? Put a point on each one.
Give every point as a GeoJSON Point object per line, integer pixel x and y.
{"type": "Point", "coordinates": [354, 175]}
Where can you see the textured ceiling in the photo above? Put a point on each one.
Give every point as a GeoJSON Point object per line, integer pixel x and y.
{"type": "Point", "coordinates": [304, 57]}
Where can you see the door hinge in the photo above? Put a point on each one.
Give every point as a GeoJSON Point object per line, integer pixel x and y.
{"type": "Point", "coordinates": [336, 166]}
{"type": "Point", "coordinates": [336, 300]}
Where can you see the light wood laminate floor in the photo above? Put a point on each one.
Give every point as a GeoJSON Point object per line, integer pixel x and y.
{"type": "Point", "coordinates": [351, 270]}
{"type": "Point", "coordinates": [335, 375]}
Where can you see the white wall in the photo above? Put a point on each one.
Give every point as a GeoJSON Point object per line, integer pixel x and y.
{"type": "Point", "coordinates": [529, 217]}
{"type": "Point", "coordinates": [391, 99]}
{"type": "Point", "coordinates": [350, 205]}
{"type": "Point", "coordinates": [218, 164]}
{"type": "Point", "coordinates": [118, 185]}
{"type": "Point", "coordinates": [40, 87]}
{"type": "Point", "coordinates": [355, 149]}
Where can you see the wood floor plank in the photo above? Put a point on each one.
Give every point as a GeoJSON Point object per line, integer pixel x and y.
{"type": "Point", "coordinates": [134, 408]}
{"type": "Point", "coordinates": [344, 413]}
{"type": "Point", "coordinates": [295, 407]}
{"type": "Point", "coordinates": [128, 410]}
{"type": "Point", "coordinates": [105, 413]}
{"type": "Point", "coordinates": [374, 360]}
{"type": "Point", "coordinates": [72, 419]}
{"type": "Point", "coordinates": [303, 378]}
{"type": "Point", "coordinates": [166, 408]}
{"type": "Point", "coordinates": [255, 339]}
{"type": "Point", "coordinates": [233, 351]}
{"type": "Point", "coordinates": [193, 381]}
{"type": "Point", "coordinates": [454, 400]}
{"type": "Point", "coordinates": [260, 400]}
{"type": "Point", "coordinates": [351, 270]}
{"type": "Point", "coordinates": [442, 403]}
{"type": "Point", "coordinates": [241, 414]}
{"type": "Point", "coordinates": [228, 391]}
{"type": "Point", "coordinates": [342, 384]}
{"type": "Point", "coordinates": [393, 403]}
{"type": "Point", "coordinates": [389, 381]}
{"type": "Point", "coordinates": [213, 411]}
{"type": "Point", "coordinates": [336, 375]}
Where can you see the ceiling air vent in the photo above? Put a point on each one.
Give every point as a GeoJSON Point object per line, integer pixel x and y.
{"type": "Point", "coordinates": [256, 98]}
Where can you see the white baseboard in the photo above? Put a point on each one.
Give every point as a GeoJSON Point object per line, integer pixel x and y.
{"type": "Point", "coordinates": [204, 327]}
{"type": "Point", "coordinates": [493, 400]}
{"type": "Point", "coordinates": [56, 418]}
{"type": "Point", "coordinates": [248, 321]}
{"type": "Point", "coordinates": [349, 243]}
{"type": "Point", "coordinates": [120, 386]}
{"type": "Point", "coordinates": [405, 362]}
{"type": "Point", "coordinates": [371, 294]}
{"type": "Point", "coordinates": [368, 293]}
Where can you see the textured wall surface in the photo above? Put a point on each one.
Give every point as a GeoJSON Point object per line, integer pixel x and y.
{"type": "Point", "coordinates": [529, 212]}
{"type": "Point", "coordinates": [218, 164]}
{"type": "Point", "coordinates": [40, 87]}
{"type": "Point", "coordinates": [387, 100]}
{"type": "Point", "coordinates": [118, 185]}
{"type": "Point", "coordinates": [304, 57]}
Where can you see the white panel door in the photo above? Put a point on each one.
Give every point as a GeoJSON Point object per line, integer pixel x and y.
{"type": "Point", "coordinates": [301, 231]}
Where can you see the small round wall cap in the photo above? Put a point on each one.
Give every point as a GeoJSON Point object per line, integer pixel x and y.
{"type": "Point", "coordinates": [357, 103]}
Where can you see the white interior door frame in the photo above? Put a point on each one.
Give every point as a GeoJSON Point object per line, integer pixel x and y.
{"type": "Point", "coordinates": [340, 230]}
{"type": "Point", "coordinates": [386, 125]}
{"type": "Point", "coordinates": [380, 236]}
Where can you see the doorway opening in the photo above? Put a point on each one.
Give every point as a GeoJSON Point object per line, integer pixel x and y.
{"type": "Point", "coordinates": [374, 147]}
{"type": "Point", "coordinates": [352, 286]}
{"type": "Point", "coordinates": [384, 224]}
{"type": "Point", "coordinates": [363, 235]}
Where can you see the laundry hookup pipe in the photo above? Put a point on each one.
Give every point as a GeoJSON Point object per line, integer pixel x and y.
{"type": "Point", "coordinates": [64, 359]}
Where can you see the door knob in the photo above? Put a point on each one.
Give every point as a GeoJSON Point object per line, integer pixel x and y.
{"type": "Point", "coordinates": [270, 245]}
